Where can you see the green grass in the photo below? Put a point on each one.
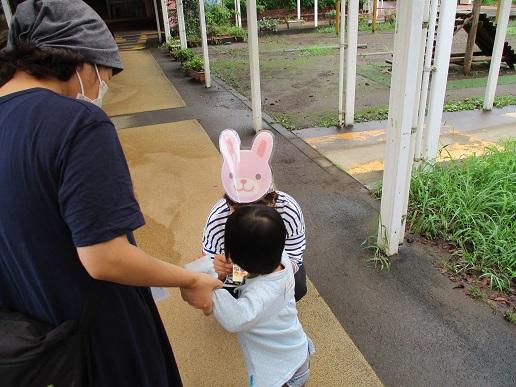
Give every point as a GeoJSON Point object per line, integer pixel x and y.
{"type": "Point", "coordinates": [468, 83]}
{"type": "Point", "coordinates": [476, 293]}
{"type": "Point", "coordinates": [471, 203]}
{"type": "Point", "coordinates": [377, 73]}
{"type": "Point", "coordinates": [284, 120]}
{"type": "Point", "coordinates": [377, 113]}
{"type": "Point", "coordinates": [327, 29]}
{"type": "Point", "coordinates": [510, 315]}
{"type": "Point", "coordinates": [317, 51]}
{"type": "Point", "coordinates": [474, 103]}
{"type": "Point", "coordinates": [511, 30]}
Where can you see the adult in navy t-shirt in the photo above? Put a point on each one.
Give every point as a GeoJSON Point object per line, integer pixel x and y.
{"type": "Point", "coordinates": [64, 183]}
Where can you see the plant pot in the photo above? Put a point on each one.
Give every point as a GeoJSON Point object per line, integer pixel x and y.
{"type": "Point", "coordinates": [197, 75]}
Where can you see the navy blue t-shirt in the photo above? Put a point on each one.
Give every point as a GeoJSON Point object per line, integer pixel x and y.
{"type": "Point", "coordinates": [64, 183]}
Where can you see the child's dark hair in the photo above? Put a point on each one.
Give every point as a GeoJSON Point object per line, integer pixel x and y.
{"type": "Point", "coordinates": [254, 238]}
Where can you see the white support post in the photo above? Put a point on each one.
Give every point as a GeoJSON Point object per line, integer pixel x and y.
{"type": "Point", "coordinates": [158, 26]}
{"type": "Point", "coordinates": [7, 12]}
{"type": "Point", "coordinates": [496, 59]}
{"type": "Point", "coordinates": [166, 22]}
{"type": "Point", "coordinates": [298, 9]}
{"type": "Point", "coordinates": [351, 62]}
{"type": "Point", "coordinates": [401, 110]}
{"type": "Point", "coordinates": [445, 28]}
{"type": "Point", "coordinates": [419, 81]}
{"type": "Point", "coordinates": [204, 40]}
{"type": "Point", "coordinates": [239, 13]}
{"type": "Point", "coordinates": [427, 70]}
{"type": "Point", "coordinates": [316, 13]}
{"type": "Point", "coordinates": [342, 42]}
{"type": "Point", "coordinates": [181, 24]}
{"type": "Point", "coordinates": [254, 64]}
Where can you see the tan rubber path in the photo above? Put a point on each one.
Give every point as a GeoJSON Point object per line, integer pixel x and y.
{"type": "Point", "coordinates": [175, 169]}
{"type": "Point", "coordinates": [141, 87]}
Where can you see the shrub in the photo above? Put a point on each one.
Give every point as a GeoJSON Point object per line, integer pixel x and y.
{"type": "Point", "coordinates": [268, 24]}
{"type": "Point", "coordinates": [184, 55]}
{"type": "Point", "coordinates": [196, 64]}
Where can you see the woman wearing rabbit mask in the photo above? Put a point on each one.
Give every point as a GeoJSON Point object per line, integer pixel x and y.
{"type": "Point", "coordinates": [67, 206]}
{"type": "Point", "coordinates": [247, 179]}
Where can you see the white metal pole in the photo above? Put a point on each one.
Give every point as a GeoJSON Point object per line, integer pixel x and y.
{"type": "Point", "coordinates": [298, 9]}
{"type": "Point", "coordinates": [342, 41]}
{"type": "Point", "coordinates": [181, 24]}
{"type": "Point", "coordinates": [351, 62]}
{"type": "Point", "coordinates": [158, 26]}
{"type": "Point", "coordinates": [7, 12]}
{"type": "Point", "coordinates": [496, 59]}
{"type": "Point", "coordinates": [445, 28]}
{"type": "Point", "coordinates": [427, 70]}
{"type": "Point", "coordinates": [166, 22]}
{"type": "Point", "coordinates": [254, 64]}
{"type": "Point", "coordinates": [239, 13]}
{"type": "Point", "coordinates": [316, 13]}
{"type": "Point", "coordinates": [396, 180]}
{"type": "Point", "coordinates": [419, 80]}
{"type": "Point", "coordinates": [204, 40]}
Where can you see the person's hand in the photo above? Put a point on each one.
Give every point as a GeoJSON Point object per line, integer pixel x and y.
{"type": "Point", "coordinates": [222, 266]}
{"type": "Point", "coordinates": [199, 294]}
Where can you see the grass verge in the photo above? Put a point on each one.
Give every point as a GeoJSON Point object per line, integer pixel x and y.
{"type": "Point", "coordinates": [471, 203]}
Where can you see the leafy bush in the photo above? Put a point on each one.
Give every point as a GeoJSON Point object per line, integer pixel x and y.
{"type": "Point", "coordinates": [268, 24]}
{"type": "Point", "coordinates": [471, 203]}
{"type": "Point", "coordinates": [185, 54]}
{"type": "Point", "coordinates": [331, 15]}
{"type": "Point", "coordinates": [217, 15]}
{"type": "Point", "coordinates": [195, 64]}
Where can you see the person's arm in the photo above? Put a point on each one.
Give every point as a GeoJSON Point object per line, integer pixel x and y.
{"type": "Point", "coordinates": [119, 261]}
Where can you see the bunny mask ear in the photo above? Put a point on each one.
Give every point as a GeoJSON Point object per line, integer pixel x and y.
{"type": "Point", "coordinates": [246, 174]}
{"type": "Point", "coordinates": [229, 144]}
{"type": "Point", "coordinates": [263, 144]}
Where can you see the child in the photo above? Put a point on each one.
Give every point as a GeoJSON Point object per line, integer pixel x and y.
{"type": "Point", "coordinates": [276, 349]}
{"type": "Point", "coordinates": [247, 178]}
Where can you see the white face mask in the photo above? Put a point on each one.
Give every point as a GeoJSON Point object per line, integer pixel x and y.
{"type": "Point", "coordinates": [103, 88]}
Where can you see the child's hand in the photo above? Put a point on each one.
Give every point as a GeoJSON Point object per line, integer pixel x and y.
{"type": "Point", "coordinates": [222, 266]}
{"type": "Point", "coordinates": [199, 293]}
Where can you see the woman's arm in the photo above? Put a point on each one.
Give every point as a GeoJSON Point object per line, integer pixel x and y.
{"type": "Point", "coordinates": [119, 261]}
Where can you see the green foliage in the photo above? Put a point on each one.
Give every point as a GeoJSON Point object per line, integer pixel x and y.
{"type": "Point", "coordinates": [471, 204]}
{"type": "Point", "coordinates": [268, 24]}
{"type": "Point", "coordinates": [511, 30]}
{"type": "Point", "coordinates": [284, 120]}
{"type": "Point", "coordinates": [331, 15]}
{"type": "Point", "coordinates": [475, 103]}
{"type": "Point", "coordinates": [195, 63]}
{"type": "Point", "coordinates": [476, 293]}
{"type": "Point", "coordinates": [510, 315]}
{"type": "Point", "coordinates": [379, 260]}
{"type": "Point", "coordinates": [184, 55]}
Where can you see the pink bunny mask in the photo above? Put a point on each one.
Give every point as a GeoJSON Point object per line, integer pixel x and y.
{"type": "Point", "coordinates": [246, 174]}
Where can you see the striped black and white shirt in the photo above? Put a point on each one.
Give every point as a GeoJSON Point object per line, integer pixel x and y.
{"type": "Point", "coordinates": [288, 208]}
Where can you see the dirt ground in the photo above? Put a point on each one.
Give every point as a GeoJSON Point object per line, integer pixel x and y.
{"type": "Point", "coordinates": [299, 88]}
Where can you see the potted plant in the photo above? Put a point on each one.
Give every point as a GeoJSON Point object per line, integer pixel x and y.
{"type": "Point", "coordinates": [195, 68]}
{"type": "Point", "coordinates": [184, 55]}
